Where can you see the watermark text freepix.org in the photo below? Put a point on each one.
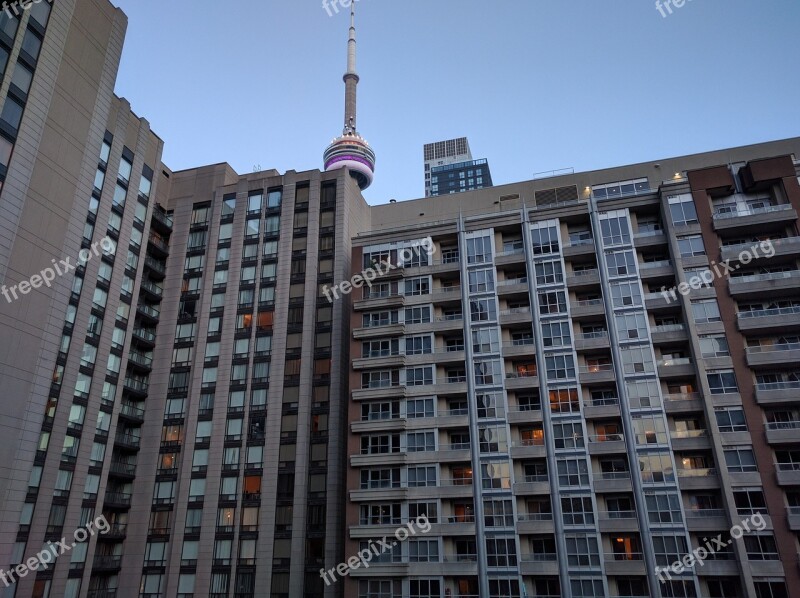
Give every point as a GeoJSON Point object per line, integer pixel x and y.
{"type": "Point", "coordinates": [48, 275]}
{"type": "Point", "coordinates": [665, 7]}
{"type": "Point", "coordinates": [707, 276]}
{"type": "Point", "coordinates": [53, 550]}
{"type": "Point", "coordinates": [327, 5]}
{"type": "Point", "coordinates": [376, 548]}
{"type": "Point", "coordinates": [368, 276]}
{"type": "Point", "coordinates": [14, 9]}
{"type": "Point", "coordinates": [756, 523]}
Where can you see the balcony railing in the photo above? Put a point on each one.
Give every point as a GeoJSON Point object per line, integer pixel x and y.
{"type": "Point", "coordinates": [766, 276]}
{"type": "Point", "coordinates": [773, 348]}
{"type": "Point", "coordinates": [704, 513]}
{"type": "Point", "coordinates": [752, 211]}
{"type": "Point", "coordinates": [763, 313]}
{"type": "Point", "coordinates": [777, 385]}
{"type": "Point", "coordinates": [793, 425]}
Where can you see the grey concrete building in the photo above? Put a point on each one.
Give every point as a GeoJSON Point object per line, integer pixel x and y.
{"type": "Point", "coordinates": [569, 425]}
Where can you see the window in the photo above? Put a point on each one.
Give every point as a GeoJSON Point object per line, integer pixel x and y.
{"type": "Point", "coordinates": [485, 340]}
{"type": "Point", "coordinates": [572, 472]}
{"type": "Point", "coordinates": [560, 367]}
{"type": "Point", "coordinates": [615, 230]}
{"type": "Point", "coordinates": [682, 210]}
{"type": "Point", "coordinates": [501, 552]}
{"type": "Point", "coordinates": [552, 303]}
{"type": "Point", "coordinates": [483, 310]}
{"type": "Point", "coordinates": [421, 476]}
{"type": "Point", "coordinates": [420, 442]}
{"type": "Point", "coordinates": [549, 272]}
{"type": "Point", "coordinates": [415, 345]}
{"type": "Point", "coordinates": [568, 435]}
{"type": "Point", "coordinates": [479, 250]}
{"type": "Point", "coordinates": [705, 311]}
{"type": "Point", "coordinates": [626, 294]}
{"type": "Point", "coordinates": [488, 372]}
{"type": "Point", "coordinates": [577, 510]}
{"type": "Point", "coordinates": [691, 245]}
{"type": "Point", "coordinates": [419, 376]}
{"type": "Point", "coordinates": [714, 346]}
{"type": "Point", "coordinates": [417, 286]}
{"type": "Point", "coordinates": [761, 547]}
{"type": "Point", "coordinates": [417, 315]}
{"type": "Point", "coordinates": [125, 168]}
{"type": "Point", "coordinates": [621, 263]}
{"type": "Point", "coordinates": [740, 460]}
{"type": "Point", "coordinates": [556, 334]}
{"type": "Point", "coordinates": [582, 551]}
{"type": "Point", "coordinates": [12, 113]}
{"type": "Point", "coordinates": [544, 240]}
{"type": "Point", "coordinates": [731, 419]}
{"type": "Point", "coordinates": [722, 382]}
{"type": "Point", "coordinates": [481, 281]}
{"type": "Point", "coordinates": [631, 326]}
{"type": "Point", "coordinates": [415, 408]}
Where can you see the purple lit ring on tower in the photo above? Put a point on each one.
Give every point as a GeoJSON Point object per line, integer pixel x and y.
{"type": "Point", "coordinates": [349, 157]}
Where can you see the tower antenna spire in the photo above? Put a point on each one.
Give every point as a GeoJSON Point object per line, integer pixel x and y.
{"type": "Point", "coordinates": [351, 151]}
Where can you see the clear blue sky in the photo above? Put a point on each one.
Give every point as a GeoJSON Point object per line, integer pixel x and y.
{"type": "Point", "coordinates": [535, 85]}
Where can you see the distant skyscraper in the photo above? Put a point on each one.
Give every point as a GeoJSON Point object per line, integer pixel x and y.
{"type": "Point", "coordinates": [449, 168]}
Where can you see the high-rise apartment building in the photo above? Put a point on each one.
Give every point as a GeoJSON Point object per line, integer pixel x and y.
{"type": "Point", "coordinates": [568, 426]}
{"type": "Point", "coordinates": [449, 168]}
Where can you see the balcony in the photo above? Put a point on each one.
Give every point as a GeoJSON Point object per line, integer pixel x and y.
{"type": "Point", "coordinates": [578, 247]}
{"type": "Point", "coordinates": [606, 444]}
{"type": "Point", "coordinates": [612, 481]}
{"type": "Point", "coordinates": [145, 337]}
{"type": "Point", "coordinates": [156, 267]}
{"type": "Point", "coordinates": [688, 440]}
{"type": "Point", "coordinates": [793, 518]}
{"type": "Point", "coordinates": [764, 320]}
{"type": "Point", "coordinates": [117, 499]}
{"type": "Point", "coordinates": [128, 441]}
{"type": "Point", "coordinates": [778, 393]}
{"type": "Point", "coordinates": [592, 340]}
{"type": "Point", "coordinates": [668, 333]}
{"type": "Point", "coordinates": [106, 562]}
{"type": "Point", "coordinates": [706, 520]}
{"type": "Point", "coordinates": [519, 347]}
{"type": "Point", "coordinates": [148, 312]}
{"type": "Point", "coordinates": [379, 330]}
{"type": "Point", "coordinates": [532, 485]}
{"type": "Point", "coordinates": [782, 432]}
{"type": "Point", "coordinates": [788, 474]}
{"type": "Point", "coordinates": [161, 219]}
{"type": "Point", "coordinates": [681, 367]}
{"type": "Point", "coordinates": [587, 308]}
{"type": "Point", "coordinates": [535, 523]}
{"type": "Point", "coordinates": [152, 290]}
{"type": "Point", "coordinates": [698, 479]}
{"type": "Point", "coordinates": [659, 301]}
{"type": "Point", "coordinates": [624, 563]}
{"type": "Point", "coordinates": [140, 361]}
{"type": "Point", "coordinates": [158, 244]}
{"type": "Point", "coordinates": [618, 521]}
{"type": "Point", "coordinates": [540, 563]}
{"type": "Point", "coordinates": [583, 278]}
{"type": "Point", "coordinates": [789, 246]}
{"type": "Point", "coordinates": [522, 378]}
{"type": "Point", "coordinates": [601, 408]}
{"type": "Point", "coordinates": [515, 315]}
{"type": "Point", "coordinates": [657, 269]}
{"type": "Point", "coordinates": [683, 402]}
{"type": "Point", "coordinates": [135, 386]}
{"type": "Point", "coordinates": [754, 218]}
{"type": "Point", "coordinates": [512, 286]}
{"type": "Point", "coordinates": [528, 449]}
{"type": "Point", "coordinates": [510, 256]}
{"type": "Point", "coordinates": [649, 238]}
{"type": "Point", "coordinates": [771, 355]}
{"type": "Point", "coordinates": [597, 374]}
{"type": "Point", "coordinates": [758, 284]}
